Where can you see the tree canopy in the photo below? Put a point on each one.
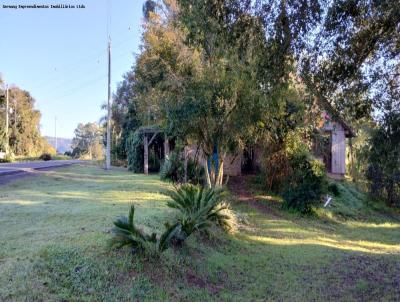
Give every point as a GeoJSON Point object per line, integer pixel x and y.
{"type": "Point", "coordinates": [226, 74]}
{"type": "Point", "coordinates": [24, 124]}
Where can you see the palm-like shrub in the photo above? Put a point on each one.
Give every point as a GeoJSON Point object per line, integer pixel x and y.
{"type": "Point", "coordinates": [127, 234]}
{"type": "Point", "coordinates": [201, 208]}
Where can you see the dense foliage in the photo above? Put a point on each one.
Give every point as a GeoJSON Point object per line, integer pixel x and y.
{"type": "Point", "coordinates": [134, 147]}
{"type": "Point", "coordinates": [173, 168]}
{"type": "Point", "coordinates": [24, 134]}
{"type": "Point", "coordinates": [226, 75]}
{"type": "Point", "coordinates": [305, 184]}
{"type": "Point", "coordinates": [383, 171]}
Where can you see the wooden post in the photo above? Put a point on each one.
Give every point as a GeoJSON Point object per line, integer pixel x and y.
{"type": "Point", "coordinates": [146, 155]}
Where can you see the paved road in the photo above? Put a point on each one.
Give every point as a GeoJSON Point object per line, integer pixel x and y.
{"type": "Point", "coordinates": [29, 167]}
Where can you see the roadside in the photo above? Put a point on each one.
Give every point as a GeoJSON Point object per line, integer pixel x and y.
{"type": "Point", "coordinates": [13, 171]}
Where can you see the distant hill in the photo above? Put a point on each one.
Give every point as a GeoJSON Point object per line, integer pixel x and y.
{"type": "Point", "coordinates": [63, 144]}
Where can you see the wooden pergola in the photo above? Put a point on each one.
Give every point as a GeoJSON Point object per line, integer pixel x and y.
{"type": "Point", "coordinates": [149, 134]}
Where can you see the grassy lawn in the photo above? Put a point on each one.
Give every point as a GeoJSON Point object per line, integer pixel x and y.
{"type": "Point", "coordinates": [54, 231]}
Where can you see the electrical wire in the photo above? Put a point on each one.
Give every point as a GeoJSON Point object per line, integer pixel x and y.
{"type": "Point", "coordinates": [81, 86]}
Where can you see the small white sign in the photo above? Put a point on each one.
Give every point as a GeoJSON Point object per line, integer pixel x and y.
{"type": "Point", "coordinates": [328, 200]}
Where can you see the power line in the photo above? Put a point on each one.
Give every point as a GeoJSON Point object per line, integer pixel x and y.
{"type": "Point", "coordinates": [99, 56]}
{"type": "Point", "coordinates": [78, 88]}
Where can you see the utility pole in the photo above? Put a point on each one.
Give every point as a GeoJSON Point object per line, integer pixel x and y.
{"type": "Point", "coordinates": [108, 148]}
{"type": "Point", "coordinates": [55, 132]}
{"type": "Point", "coordinates": [7, 113]}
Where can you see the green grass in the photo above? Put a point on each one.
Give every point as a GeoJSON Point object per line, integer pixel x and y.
{"type": "Point", "coordinates": [54, 232]}
{"type": "Point", "coordinates": [33, 158]}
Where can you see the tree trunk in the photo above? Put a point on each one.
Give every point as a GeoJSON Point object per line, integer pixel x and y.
{"type": "Point", "coordinates": [166, 147]}
{"type": "Point", "coordinates": [185, 164]}
{"type": "Point", "coordinates": [220, 175]}
{"type": "Point", "coordinates": [207, 174]}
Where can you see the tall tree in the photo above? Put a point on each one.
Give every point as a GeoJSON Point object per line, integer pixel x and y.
{"type": "Point", "coordinates": [87, 141]}
{"type": "Point", "coordinates": [220, 99]}
{"type": "Point", "coordinates": [24, 124]}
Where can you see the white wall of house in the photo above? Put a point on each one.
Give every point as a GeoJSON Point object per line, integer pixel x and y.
{"type": "Point", "coordinates": [338, 149]}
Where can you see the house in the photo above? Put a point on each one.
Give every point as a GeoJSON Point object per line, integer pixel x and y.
{"type": "Point", "coordinates": [333, 153]}
{"type": "Point", "coordinates": [337, 131]}
{"type": "Point", "coordinates": [332, 128]}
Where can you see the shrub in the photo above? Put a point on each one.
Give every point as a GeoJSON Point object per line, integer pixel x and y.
{"type": "Point", "coordinates": [127, 234]}
{"type": "Point", "coordinates": [306, 183]}
{"type": "Point", "coordinates": [45, 156]}
{"type": "Point", "coordinates": [195, 172]}
{"type": "Point", "coordinates": [68, 153]}
{"type": "Point", "coordinates": [173, 169]}
{"type": "Point", "coordinates": [333, 188]}
{"type": "Point", "coordinates": [201, 208]}
{"type": "Point", "coordinates": [277, 155]}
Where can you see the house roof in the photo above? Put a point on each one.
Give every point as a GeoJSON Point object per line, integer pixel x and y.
{"type": "Point", "coordinates": [338, 118]}
{"type": "Point", "coordinates": [324, 103]}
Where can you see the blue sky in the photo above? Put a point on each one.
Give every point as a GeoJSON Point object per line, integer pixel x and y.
{"type": "Point", "coordinates": [60, 56]}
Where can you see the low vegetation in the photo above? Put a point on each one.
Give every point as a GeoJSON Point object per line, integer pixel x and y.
{"type": "Point", "coordinates": [305, 184]}
{"type": "Point", "coordinates": [127, 234]}
{"type": "Point", "coordinates": [199, 208]}
{"type": "Point", "coordinates": [173, 169]}
{"type": "Point", "coordinates": [59, 250]}
{"type": "Point", "coordinates": [36, 158]}
{"type": "Point", "coordinates": [45, 157]}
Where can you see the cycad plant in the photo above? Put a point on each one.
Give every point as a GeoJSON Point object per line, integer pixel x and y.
{"type": "Point", "coordinates": [127, 234]}
{"type": "Point", "coordinates": [201, 208]}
